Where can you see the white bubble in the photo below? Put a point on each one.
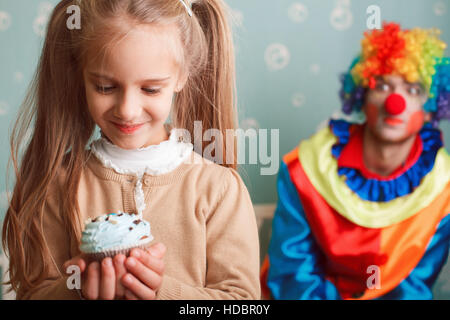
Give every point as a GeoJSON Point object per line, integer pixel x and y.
{"type": "Point", "coordinates": [298, 99]}
{"type": "Point", "coordinates": [440, 8]}
{"type": "Point", "coordinates": [40, 22]}
{"type": "Point", "coordinates": [314, 68]}
{"type": "Point", "coordinates": [5, 20]}
{"type": "Point", "coordinates": [341, 17]}
{"type": "Point", "coordinates": [249, 123]}
{"type": "Point", "coordinates": [277, 56]}
{"type": "Point", "coordinates": [298, 12]}
{"type": "Point", "coordinates": [3, 108]}
{"type": "Point", "coordinates": [45, 8]}
{"type": "Point", "coordinates": [238, 17]}
{"type": "Point", "coordinates": [343, 3]}
{"type": "Point", "coordinates": [39, 25]}
{"type": "Point", "coordinates": [18, 76]}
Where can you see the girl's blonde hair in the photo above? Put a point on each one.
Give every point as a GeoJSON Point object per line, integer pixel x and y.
{"type": "Point", "coordinates": [56, 105]}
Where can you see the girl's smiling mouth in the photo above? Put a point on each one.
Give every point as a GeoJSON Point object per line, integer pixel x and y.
{"type": "Point", "coordinates": [128, 129]}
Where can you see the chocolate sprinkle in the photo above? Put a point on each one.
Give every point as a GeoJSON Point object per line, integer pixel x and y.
{"type": "Point", "coordinates": [143, 237]}
{"type": "Point", "coordinates": [137, 221]}
{"type": "Point", "coordinates": [130, 228]}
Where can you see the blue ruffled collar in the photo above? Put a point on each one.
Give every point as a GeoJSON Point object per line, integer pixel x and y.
{"type": "Point", "coordinates": [385, 190]}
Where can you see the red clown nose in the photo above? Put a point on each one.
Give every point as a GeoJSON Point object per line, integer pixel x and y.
{"type": "Point", "coordinates": [395, 104]}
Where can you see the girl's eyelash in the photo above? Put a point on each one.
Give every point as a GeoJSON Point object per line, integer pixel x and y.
{"type": "Point", "coordinates": [151, 91]}
{"type": "Point", "coordinates": [105, 89]}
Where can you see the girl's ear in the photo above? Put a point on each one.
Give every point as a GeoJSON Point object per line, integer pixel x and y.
{"type": "Point", "coordinates": [182, 79]}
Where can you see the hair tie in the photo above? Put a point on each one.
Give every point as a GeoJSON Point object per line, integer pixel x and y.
{"type": "Point", "coordinates": [188, 7]}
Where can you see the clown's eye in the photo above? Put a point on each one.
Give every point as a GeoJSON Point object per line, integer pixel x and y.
{"type": "Point", "coordinates": [415, 91]}
{"type": "Point", "coordinates": [382, 86]}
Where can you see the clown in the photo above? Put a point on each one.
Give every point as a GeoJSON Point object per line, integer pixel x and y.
{"type": "Point", "coordinates": [363, 209]}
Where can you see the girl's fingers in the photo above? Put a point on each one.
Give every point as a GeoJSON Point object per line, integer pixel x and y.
{"type": "Point", "coordinates": [119, 266]}
{"type": "Point", "coordinates": [77, 261]}
{"type": "Point", "coordinates": [137, 288]}
{"type": "Point", "coordinates": [107, 280]}
{"type": "Point", "coordinates": [129, 295]}
{"type": "Point", "coordinates": [157, 250]}
{"type": "Point", "coordinates": [90, 288]}
{"type": "Point", "coordinates": [150, 261]}
{"type": "Point", "coordinates": [144, 273]}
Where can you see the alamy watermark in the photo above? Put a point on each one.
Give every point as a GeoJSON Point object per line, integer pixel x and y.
{"type": "Point", "coordinates": [259, 150]}
{"type": "Point", "coordinates": [374, 280]}
{"type": "Point", "coordinates": [74, 279]}
{"type": "Point", "coordinates": [74, 20]}
{"type": "Point", "coordinates": [258, 147]}
{"type": "Point", "coordinates": [374, 19]}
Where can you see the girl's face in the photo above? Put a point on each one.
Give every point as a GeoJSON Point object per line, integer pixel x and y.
{"type": "Point", "coordinates": [394, 108]}
{"type": "Point", "coordinates": [130, 98]}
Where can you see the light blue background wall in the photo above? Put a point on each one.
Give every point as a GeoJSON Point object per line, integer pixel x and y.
{"type": "Point", "coordinates": [294, 91]}
{"type": "Point", "coordinates": [297, 98]}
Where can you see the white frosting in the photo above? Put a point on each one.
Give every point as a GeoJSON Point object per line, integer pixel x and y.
{"type": "Point", "coordinates": [154, 160]}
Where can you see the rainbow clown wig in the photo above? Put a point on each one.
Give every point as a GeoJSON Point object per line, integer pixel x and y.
{"type": "Point", "coordinates": [416, 54]}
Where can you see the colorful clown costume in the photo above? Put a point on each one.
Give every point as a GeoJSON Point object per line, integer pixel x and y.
{"type": "Point", "coordinates": [342, 232]}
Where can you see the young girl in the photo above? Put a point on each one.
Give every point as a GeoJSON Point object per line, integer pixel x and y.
{"type": "Point", "coordinates": [130, 62]}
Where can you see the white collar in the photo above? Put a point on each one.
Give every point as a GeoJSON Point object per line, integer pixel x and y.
{"type": "Point", "coordinates": [154, 160]}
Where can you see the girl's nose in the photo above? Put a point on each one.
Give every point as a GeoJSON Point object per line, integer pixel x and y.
{"type": "Point", "coordinates": [395, 104]}
{"type": "Point", "coordinates": [126, 109]}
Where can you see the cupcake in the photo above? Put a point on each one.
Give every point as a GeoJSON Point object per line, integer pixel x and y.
{"type": "Point", "coordinates": [114, 233]}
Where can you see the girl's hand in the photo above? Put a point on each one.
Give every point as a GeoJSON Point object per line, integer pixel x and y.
{"type": "Point", "coordinates": [79, 261]}
{"type": "Point", "coordinates": [145, 270]}
{"type": "Point", "coordinates": [98, 280]}
{"type": "Point", "coordinates": [119, 266]}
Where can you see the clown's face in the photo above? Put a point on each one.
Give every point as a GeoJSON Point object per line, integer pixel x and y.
{"type": "Point", "coordinates": [394, 108]}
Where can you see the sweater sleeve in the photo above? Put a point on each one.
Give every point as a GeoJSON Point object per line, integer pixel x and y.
{"type": "Point", "coordinates": [54, 286]}
{"type": "Point", "coordinates": [232, 249]}
{"type": "Point", "coordinates": [296, 262]}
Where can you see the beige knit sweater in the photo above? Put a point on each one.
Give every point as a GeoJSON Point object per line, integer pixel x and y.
{"type": "Point", "coordinates": [201, 212]}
